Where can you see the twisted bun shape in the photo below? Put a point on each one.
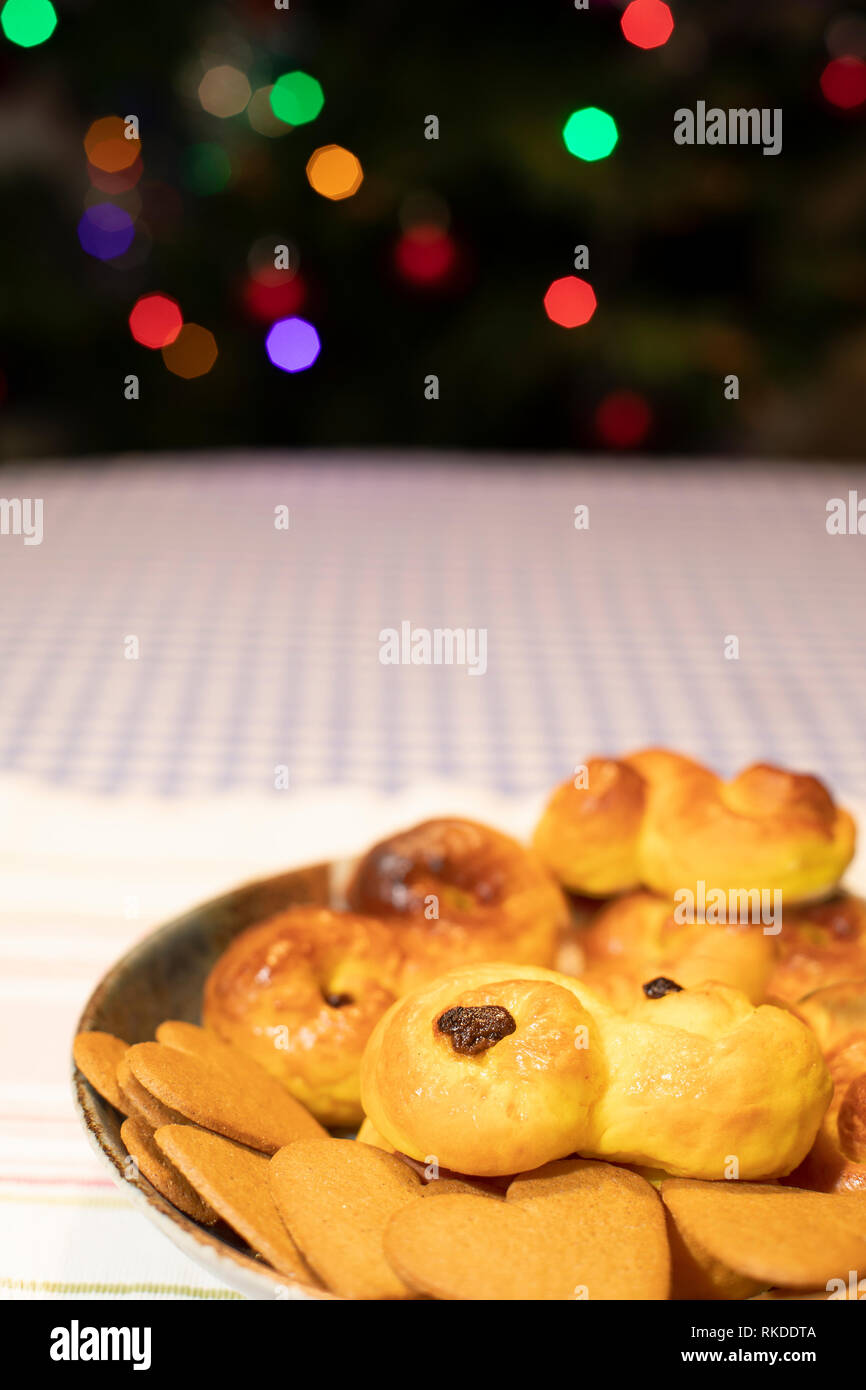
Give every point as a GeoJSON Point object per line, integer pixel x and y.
{"type": "Point", "coordinates": [497, 1068]}
{"type": "Point", "coordinates": [660, 820]}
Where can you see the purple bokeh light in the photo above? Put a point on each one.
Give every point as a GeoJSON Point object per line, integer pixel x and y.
{"type": "Point", "coordinates": [106, 231]}
{"type": "Point", "coordinates": [292, 344]}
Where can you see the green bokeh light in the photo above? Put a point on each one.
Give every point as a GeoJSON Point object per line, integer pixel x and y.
{"type": "Point", "coordinates": [590, 133]}
{"type": "Point", "coordinates": [296, 98]}
{"type": "Point", "coordinates": [28, 22]}
{"type": "Point", "coordinates": [208, 168]}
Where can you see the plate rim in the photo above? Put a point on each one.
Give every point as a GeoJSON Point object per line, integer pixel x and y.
{"type": "Point", "coordinates": [243, 1273]}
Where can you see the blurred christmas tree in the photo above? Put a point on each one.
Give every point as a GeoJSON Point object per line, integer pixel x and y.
{"type": "Point", "coordinates": [431, 256]}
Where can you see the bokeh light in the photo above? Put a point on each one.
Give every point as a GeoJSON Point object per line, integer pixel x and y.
{"type": "Point", "coordinates": [28, 22]}
{"type": "Point", "coordinates": [334, 172]}
{"type": "Point", "coordinates": [425, 255]}
{"type": "Point", "coordinates": [570, 301]}
{"type": "Point", "coordinates": [623, 420]}
{"type": "Point", "coordinates": [106, 231]}
{"type": "Point", "coordinates": [107, 146]}
{"type": "Point", "coordinates": [590, 133]}
{"type": "Point", "coordinates": [155, 320]}
{"type": "Point", "coordinates": [192, 353]}
{"type": "Point", "coordinates": [647, 23]}
{"type": "Point", "coordinates": [117, 183]}
{"type": "Point", "coordinates": [293, 344]}
{"type": "Point", "coordinates": [207, 168]}
{"type": "Point", "coordinates": [260, 115]}
{"type": "Point", "coordinates": [268, 302]}
{"type": "Point", "coordinates": [843, 82]}
{"type": "Point", "coordinates": [224, 91]}
{"type": "Point", "coordinates": [296, 98]}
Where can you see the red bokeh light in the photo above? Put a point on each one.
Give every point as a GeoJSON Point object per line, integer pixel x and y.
{"type": "Point", "coordinates": [623, 420]}
{"type": "Point", "coordinates": [425, 255]}
{"type": "Point", "coordinates": [273, 301]}
{"type": "Point", "coordinates": [155, 320]}
{"type": "Point", "coordinates": [120, 182]}
{"type": "Point", "coordinates": [843, 82]}
{"type": "Point", "coordinates": [647, 23]}
{"type": "Point", "coordinates": [570, 301]}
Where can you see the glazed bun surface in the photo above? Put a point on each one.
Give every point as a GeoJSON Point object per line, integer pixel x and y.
{"type": "Point", "coordinates": [686, 1081]}
{"type": "Point", "coordinates": [636, 937]}
{"type": "Point", "coordinates": [489, 1070]}
{"type": "Point", "coordinates": [458, 892]}
{"type": "Point", "coordinates": [822, 944]}
{"type": "Point", "coordinates": [663, 821]}
{"type": "Point", "coordinates": [701, 1077]}
{"type": "Point", "coordinates": [300, 993]}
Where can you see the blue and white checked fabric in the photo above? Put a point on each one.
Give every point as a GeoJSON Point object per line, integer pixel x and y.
{"type": "Point", "coordinates": [260, 647]}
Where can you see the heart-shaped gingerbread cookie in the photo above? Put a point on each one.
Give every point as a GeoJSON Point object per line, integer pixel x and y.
{"type": "Point", "coordinates": [570, 1230]}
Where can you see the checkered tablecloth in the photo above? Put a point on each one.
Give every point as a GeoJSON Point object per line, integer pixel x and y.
{"type": "Point", "coordinates": [260, 647]}
{"type": "Point", "coordinates": [132, 788]}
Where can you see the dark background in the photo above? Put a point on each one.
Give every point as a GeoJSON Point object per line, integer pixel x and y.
{"type": "Point", "coordinates": [705, 261]}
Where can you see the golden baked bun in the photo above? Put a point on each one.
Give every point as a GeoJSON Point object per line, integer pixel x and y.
{"type": "Point", "coordinates": [701, 1076]}
{"type": "Point", "coordinates": [460, 892]}
{"type": "Point", "coordinates": [836, 1013]}
{"type": "Point", "coordinates": [495, 1068]}
{"type": "Point", "coordinates": [300, 994]}
{"type": "Point", "coordinates": [489, 1070]}
{"type": "Point", "coordinates": [837, 1160]}
{"type": "Point", "coordinates": [824, 944]}
{"type": "Point", "coordinates": [821, 944]}
{"type": "Point", "coordinates": [635, 938]}
{"type": "Point", "coordinates": [588, 836]}
{"type": "Point", "coordinates": [660, 820]}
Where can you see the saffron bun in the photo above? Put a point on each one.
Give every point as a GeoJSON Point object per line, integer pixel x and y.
{"type": "Point", "coordinates": [823, 944]}
{"type": "Point", "coordinates": [491, 1108]}
{"type": "Point", "coordinates": [459, 892]}
{"type": "Point", "coordinates": [300, 994]}
{"type": "Point", "coordinates": [636, 938]}
{"type": "Point", "coordinates": [837, 1160]}
{"type": "Point", "coordinates": [499, 1068]}
{"type": "Point", "coordinates": [690, 1087]}
{"type": "Point", "coordinates": [661, 821]}
{"type": "Point", "coordinates": [836, 1013]}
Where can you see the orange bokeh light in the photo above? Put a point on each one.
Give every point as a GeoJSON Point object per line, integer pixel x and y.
{"type": "Point", "coordinates": [334, 172]}
{"type": "Point", "coordinates": [107, 146]}
{"type": "Point", "coordinates": [192, 353]}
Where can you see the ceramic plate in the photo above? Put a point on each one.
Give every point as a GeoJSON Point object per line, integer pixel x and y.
{"type": "Point", "coordinates": [163, 977]}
